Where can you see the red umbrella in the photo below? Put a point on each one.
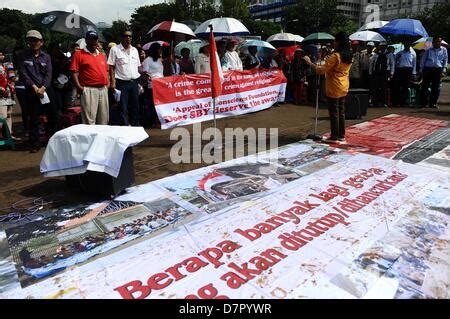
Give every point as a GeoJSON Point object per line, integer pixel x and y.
{"type": "Point", "coordinates": [172, 31]}
{"type": "Point", "coordinates": [289, 51]}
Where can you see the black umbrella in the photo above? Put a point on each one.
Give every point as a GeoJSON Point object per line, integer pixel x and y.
{"type": "Point", "coordinates": [69, 23]}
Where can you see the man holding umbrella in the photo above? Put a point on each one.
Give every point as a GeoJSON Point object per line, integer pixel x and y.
{"type": "Point", "coordinates": [432, 66]}
{"type": "Point", "coordinates": [124, 62]}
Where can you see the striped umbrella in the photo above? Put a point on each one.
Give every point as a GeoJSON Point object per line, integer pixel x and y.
{"type": "Point", "coordinates": [171, 31]}
{"type": "Point", "coordinates": [426, 43]}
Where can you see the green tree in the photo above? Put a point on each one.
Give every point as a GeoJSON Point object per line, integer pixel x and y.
{"type": "Point", "coordinates": [262, 28]}
{"type": "Point", "coordinates": [13, 28]}
{"type": "Point", "coordinates": [146, 17]}
{"type": "Point", "coordinates": [313, 16]}
{"type": "Point", "coordinates": [436, 20]}
{"type": "Point", "coordinates": [235, 9]}
{"type": "Point", "coordinates": [113, 34]}
{"type": "Point", "coordinates": [7, 44]}
{"type": "Point", "coordinates": [344, 24]}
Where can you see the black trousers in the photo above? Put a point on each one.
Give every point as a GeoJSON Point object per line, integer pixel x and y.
{"type": "Point", "coordinates": [402, 82]}
{"type": "Point", "coordinates": [36, 109]}
{"type": "Point", "coordinates": [22, 98]}
{"type": "Point", "coordinates": [336, 110]}
{"type": "Point", "coordinates": [381, 86]}
{"type": "Point", "coordinates": [431, 76]}
{"type": "Point", "coordinates": [129, 102]}
{"type": "Point", "coordinates": [149, 115]}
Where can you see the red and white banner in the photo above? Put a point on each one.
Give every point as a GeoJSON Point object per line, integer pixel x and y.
{"type": "Point", "coordinates": [186, 99]}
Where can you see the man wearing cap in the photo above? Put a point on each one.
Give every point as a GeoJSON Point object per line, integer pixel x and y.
{"type": "Point", "coordinates": [124, 62]}
{"type": "Point", "coordinates": [36, 74]}
{"type": "Point", "coordinates": [432, 66]}
{"type": "Point", "coordinates": [90, 76]}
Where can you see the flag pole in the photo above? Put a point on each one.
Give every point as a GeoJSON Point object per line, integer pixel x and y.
{"type": "Point", "coordinates": [214, 104]}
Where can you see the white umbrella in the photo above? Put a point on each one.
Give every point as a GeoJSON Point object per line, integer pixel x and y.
{"type": "Point", "coordinates": [298, 38]}
{"type": "Point", "coordinates": [222, 27]}
{"type": "Point", "coordinates": [264, 48]}
{"type": "Point", "coordinates": [283, 36]}
{"type": "Point", "coordinates": [193, 46]}
{"type": "Point", "coordinates": [367, 36]}
{"type": "Point", "coordinates": [373, 25]}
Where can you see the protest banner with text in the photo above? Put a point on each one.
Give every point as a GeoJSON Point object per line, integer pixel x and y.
{"type": "Point", "coordinates": [186, 99]}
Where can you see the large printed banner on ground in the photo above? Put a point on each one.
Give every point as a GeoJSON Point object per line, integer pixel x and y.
{"type": "Point", "coordinates": [186, 99]}
{"type": "Point", "coordinates": [323, 225]}
{"type": "Point", "coordinates": [303, 221]}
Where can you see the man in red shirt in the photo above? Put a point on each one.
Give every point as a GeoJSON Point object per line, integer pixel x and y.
{"type": "Point", "coordinates": [90, 76]}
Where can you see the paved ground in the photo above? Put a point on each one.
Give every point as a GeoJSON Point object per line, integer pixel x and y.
{"type": "Point", "coordinates": [19, 170]}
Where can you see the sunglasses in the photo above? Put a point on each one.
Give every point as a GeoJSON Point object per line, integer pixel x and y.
{"type": "Point", "coordinates": [127, 36]}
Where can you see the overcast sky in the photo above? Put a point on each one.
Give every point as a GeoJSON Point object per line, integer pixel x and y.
{"type": "Point", "coordinates": [94, 10]}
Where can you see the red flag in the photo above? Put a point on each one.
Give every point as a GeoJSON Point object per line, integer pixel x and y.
{"type": "Point", "coordinates": [217, 77]}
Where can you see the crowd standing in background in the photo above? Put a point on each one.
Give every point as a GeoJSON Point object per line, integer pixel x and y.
{"type": "Point", "coordinates": [114, 86]}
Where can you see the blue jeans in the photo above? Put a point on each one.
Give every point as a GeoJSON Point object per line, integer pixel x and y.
{"type": "Point", "coordinates": [129, 102]}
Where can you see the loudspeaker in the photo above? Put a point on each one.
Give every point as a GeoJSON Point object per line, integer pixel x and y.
{"type": "Point", "coordinates": [96, 183]}
{"type": "Point", "coordinates": [356, 103]}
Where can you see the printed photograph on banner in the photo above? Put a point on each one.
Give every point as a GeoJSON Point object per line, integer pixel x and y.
{"type": "Point", "coordinates": [427, 147]}
{"type": "Point", "coordinates": [223, 185]}
{"type": "Point", "coordinates": [8, 274]}
{"type": "Point", "coordinates": [304, 157]}
{"type": "Point", "coordinates": [439, 160]}
{"type": "Point", "coordinates": [404, 255]}
{"type": "Point", "coordinates": [69, 237]}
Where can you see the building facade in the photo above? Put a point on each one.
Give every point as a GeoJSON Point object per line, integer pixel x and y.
{"type": "Point", "coordinates": [360, 11]}
{"type": "Point", "coordinates": [392, 9]}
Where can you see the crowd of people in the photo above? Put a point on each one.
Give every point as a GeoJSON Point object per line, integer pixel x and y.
{"type": "Point", "coordinates": [139, 226]}
{"type": "Point", "coordinates": [114, 86]}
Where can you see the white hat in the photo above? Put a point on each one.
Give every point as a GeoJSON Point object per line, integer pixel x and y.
{"type": "Point", "coordinates": [370, 44]}
{"type": "Point", "coordinates": [34, 34]}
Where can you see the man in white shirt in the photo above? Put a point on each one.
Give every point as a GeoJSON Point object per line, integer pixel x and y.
{"type": "Point", "coordinates": [405, 69]}
{"type": "Point", "coordinates": [124, 62]}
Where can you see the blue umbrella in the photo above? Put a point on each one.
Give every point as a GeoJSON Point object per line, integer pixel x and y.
{"type": "Point", "coordinates": [405, 27]}
{"type": "Point", "coordinates": [264, 48]}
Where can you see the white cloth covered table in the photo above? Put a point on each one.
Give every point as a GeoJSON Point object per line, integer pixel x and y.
{"type": "Point", "coordinates": [98, 148]}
